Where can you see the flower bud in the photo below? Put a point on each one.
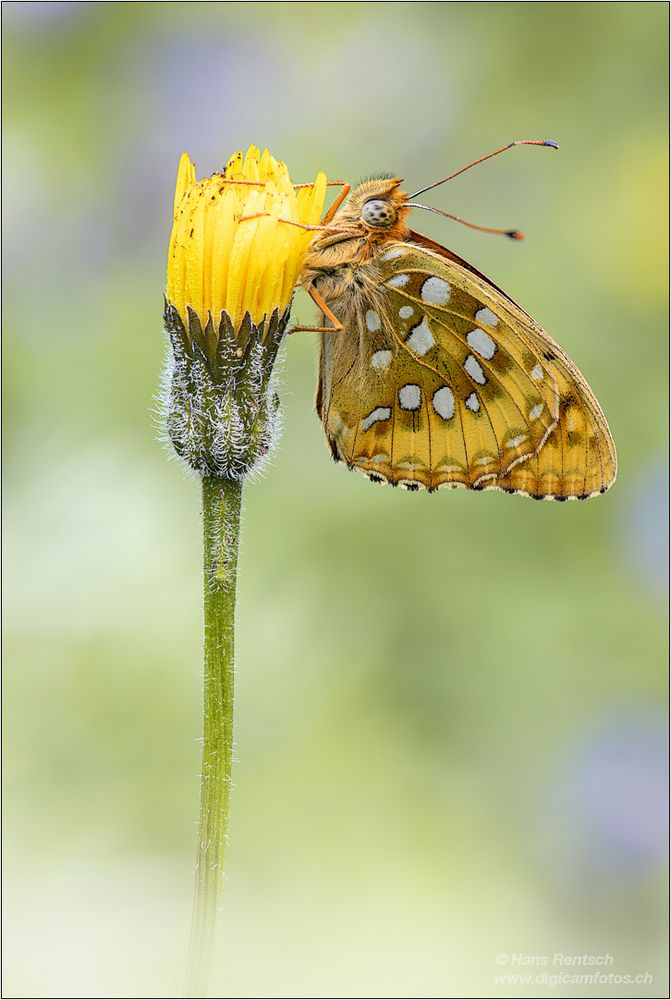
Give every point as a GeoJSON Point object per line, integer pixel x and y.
{"type": "Point", "coordinates": [232, 268]}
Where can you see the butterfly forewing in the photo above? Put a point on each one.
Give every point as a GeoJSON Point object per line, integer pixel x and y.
{"type": "Point", "coordinates": [443, 381]}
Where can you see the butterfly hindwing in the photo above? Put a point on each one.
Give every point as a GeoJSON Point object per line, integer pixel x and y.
{"type": "Point", "coordinates": [442, 381]}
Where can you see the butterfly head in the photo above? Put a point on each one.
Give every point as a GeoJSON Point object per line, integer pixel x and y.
{"type": "Point", "coordinates": [377, 207]}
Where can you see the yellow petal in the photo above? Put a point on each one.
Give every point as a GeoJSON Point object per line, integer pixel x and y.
{"type": "Point", "coordinates": [186, 175]}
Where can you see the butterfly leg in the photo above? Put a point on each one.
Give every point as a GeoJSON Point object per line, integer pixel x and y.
{"type": "Point", "coordinates": [337, 203]}
{"type": "Point", "coordinates": [319, 302]}
{"type": "Point", "coordinates": [346, 188]}
{"type": "Point", "coordinates": [316, 229]}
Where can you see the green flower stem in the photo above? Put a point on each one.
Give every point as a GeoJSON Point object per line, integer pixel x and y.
{"type": "Point", "coordinates": [221, 524]}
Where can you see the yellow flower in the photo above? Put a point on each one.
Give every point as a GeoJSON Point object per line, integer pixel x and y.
{"type": "Point", "coordinates": [222, 260]}
{"type": "Point", "coordinates": [232, 267]}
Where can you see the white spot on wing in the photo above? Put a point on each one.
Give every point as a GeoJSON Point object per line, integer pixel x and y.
{"type": "Point", "coordinates": [373, 321]}
{"type": "Point", "coordinates": [535, 411]}
{"type": "Point", "coordinates": [481, 343]}
{"type": "Point", "coordinates": [486, 317]}
{"type": "Point", "coordinates": [410, 397]}
{"type": "Point", "coordinates": [436, 291]}
{"type": "Point", "coordinates": [379, 413]}
{"type": "Point", "coordinates": [381, 360]}
{"type": "Point", "coordinates": [443, 402]}
{"type": "Point", "coordinates": [421, 339]}
{"type": "Point", "coordinates": [474, 370]}
{"type": "Point", "coordinates": [399, 280]}
{"type": "Point", "coordinates": [405, 312]}
{"type": "Point", "coordinates": [339, 425]}
{"type": "Point", "coordinates": [516, 441]}
{"type": "Point", "coordinates": [393, 254]}
{"type": "Point", "coordinates": [473, 403]}
{"type": "Point", "coordinates": [537, 373]}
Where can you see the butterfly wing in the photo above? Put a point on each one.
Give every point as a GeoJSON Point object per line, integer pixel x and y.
{"type": "Point", "coordinates": [439, 380]}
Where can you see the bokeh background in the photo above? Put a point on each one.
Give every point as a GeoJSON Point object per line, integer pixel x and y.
{"type": "Point", "coordinates": [450, 708]}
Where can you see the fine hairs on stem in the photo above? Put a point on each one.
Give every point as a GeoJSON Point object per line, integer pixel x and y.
{"type": "Point", "coordinates": [221, 529]}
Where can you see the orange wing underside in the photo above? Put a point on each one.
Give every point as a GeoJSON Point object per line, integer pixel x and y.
{"type": "Point", "coordinates": [450, 385]}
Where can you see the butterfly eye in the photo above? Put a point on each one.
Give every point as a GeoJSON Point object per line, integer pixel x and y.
{"type": "Point", "coordinates": [378, 214]}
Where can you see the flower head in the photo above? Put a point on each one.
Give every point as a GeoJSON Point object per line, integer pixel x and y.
{"type": "Point", "coordinates": [235, 254]}
{"type": "Point", "coordinates": [229, 251]}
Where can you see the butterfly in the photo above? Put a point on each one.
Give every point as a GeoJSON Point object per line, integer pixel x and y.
{"type": "Point", "coordinates": [430, 376]}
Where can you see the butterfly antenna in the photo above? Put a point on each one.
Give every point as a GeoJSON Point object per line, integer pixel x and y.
{"type": "Point", "coordinates": [519, 142]}
{"type": "Point", "coordinates": [513, 234]}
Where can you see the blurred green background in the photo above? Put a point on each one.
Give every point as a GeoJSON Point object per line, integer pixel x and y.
{"type": "Point", "coordinates": [450, 708]}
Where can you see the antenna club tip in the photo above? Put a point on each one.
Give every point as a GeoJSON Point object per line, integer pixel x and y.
{"type": "Point", "coordinates": [551, 142]}
{"type": "Point", "coordinates": [515, 234]}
